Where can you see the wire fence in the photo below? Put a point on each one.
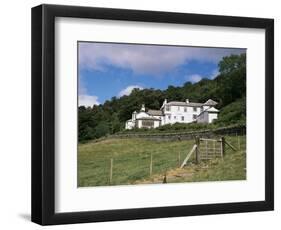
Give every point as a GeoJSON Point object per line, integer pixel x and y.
{"type": "Point", "coordinates": [132, 168]}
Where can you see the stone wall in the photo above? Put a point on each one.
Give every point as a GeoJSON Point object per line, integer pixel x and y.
{"type": "Point", "coordinates": [232, 130]}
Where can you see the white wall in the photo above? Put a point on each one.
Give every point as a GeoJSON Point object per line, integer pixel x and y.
{"type": "Point", "coordinates": [156, 124]}
{"type": "Point", "coordinates": [177, 112]}
{"type": "Point", "coordinates": [206, 117]}
{"type": "Point", "coordinates": [212, 117]}
{"type": "Point", "coordinates": [129, 124]}
{"type": "Point", "coordinates": [15, 114]}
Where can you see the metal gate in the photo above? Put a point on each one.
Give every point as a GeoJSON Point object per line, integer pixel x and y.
{"type": "Point", "coordinates": [209, 148]}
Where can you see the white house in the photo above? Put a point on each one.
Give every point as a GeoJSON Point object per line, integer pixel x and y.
{"type": "Point", "coordinates": [208, 113]}
{"type": "Point", "coordinates": [143, 119]}
{"type": "Point", "coordinates": [172, 112]}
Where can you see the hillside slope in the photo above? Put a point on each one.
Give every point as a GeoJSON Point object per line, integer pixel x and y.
{"type": "Point", "coordinates": [131, 162]}
{"type": "Point", "coordinates": [226, 88]}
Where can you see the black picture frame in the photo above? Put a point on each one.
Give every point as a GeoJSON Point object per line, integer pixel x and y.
{"type": "Point", "coordinates": [43, 114]}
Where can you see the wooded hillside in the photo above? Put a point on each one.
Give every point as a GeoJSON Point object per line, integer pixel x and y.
{"type": "Point", "coordinates": [228, 89]}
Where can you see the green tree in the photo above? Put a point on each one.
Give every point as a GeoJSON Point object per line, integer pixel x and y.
{"type": "Point", "coordinates": [232, 79]}
{"type": "Point", "coordinates": [101, 129]}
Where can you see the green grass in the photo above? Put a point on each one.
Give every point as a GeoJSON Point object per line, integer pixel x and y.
{"type": "Point", "coordinates": [232, 167]}
{"type": "Point", "coordinates": [131, 162]}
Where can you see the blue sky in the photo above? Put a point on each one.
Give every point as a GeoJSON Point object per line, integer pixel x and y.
{"type": "Point", "coordinates": [109, 69]}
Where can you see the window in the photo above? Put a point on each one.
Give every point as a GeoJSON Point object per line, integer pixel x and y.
{"type": "Point", "coordinates": [182, 118]}
{"type": "Point", "coordinates": [194, 116]}
{"type": "Point", "coordinates": [178, 108]}
{"type": "Point", "coordinates": [185, 109]}
{"type": "Point", "coordinates": [147, 124]}
{"type": "Point", "coordinates": [175, 117]}
{"type": "Point", "coordinates": [195, 109]}
{"type": "Point", "coordinates": [167, 108]}
{"type": "Point", "coordinates": [169, 117]}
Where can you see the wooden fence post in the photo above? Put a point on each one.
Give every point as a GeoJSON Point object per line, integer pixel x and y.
{"type": "Point", "coordinates": [165, 178]}
{"type": "Point", "coordinates": [239, 146]}
{"type": "Point", "coordinates": [197, 140]}
{"type": "Point", "coordinates": [223, 146]}
{"type": "Point", "coordinates": [206, 150]}
{"type": "Point", "coordinates": [111, 171]}
{"type": "Point", "coordinates": [214, 149]}
{"type": "Point", "coordinates": [188, 156]}
{"type": "Point", "coordinates": [238, 141]}
{"type": "Point", "coordinates": [150, 168]}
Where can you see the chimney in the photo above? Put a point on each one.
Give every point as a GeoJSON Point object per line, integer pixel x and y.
{"type": "Point", "coordinates": [187, 101]}
{"type": "Point", "coordinates": [142, 108]}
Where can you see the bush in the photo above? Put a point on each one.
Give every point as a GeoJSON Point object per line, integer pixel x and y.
{"type": "Point", "coordinates": [233, 113]}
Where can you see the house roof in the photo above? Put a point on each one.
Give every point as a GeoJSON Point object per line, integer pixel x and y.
{"type": "Point", "coordinates": [212, 109]}
{"type": "Point", "coordinates": [180, 103]}
{"type": "Point", "coordinates": [155, 112]}
{"type": "Point", "coordinates": [209, 110]}
{"type": "Point", "coordinates": [210, 102]}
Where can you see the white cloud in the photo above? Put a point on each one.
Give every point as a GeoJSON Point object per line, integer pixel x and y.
{"type": "Point", "coordinates": [127, 91]}
{"type": "Point", "coordinates": [88, 100]}
{"type": "Point", "coordinates": [214, 74]}
{"type": "Point", "coordinates": [194, 78]}
{"type": "Point", "coordinates": [84, 97]}
{"type": "Point", "coordinates": [145, 59]}
{"type": "Point", "coordinates": [197, 77]}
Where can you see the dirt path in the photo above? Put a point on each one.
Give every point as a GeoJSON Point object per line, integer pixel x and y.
{"type": "Point", "coordinates": [171, 176]}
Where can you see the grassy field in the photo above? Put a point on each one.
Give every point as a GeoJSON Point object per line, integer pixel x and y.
{"type": "Point", "coordinates": [132, 157]}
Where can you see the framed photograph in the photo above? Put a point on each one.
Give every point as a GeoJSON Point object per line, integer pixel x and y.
{"type": "Point", "coordinates": [142, 114]}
